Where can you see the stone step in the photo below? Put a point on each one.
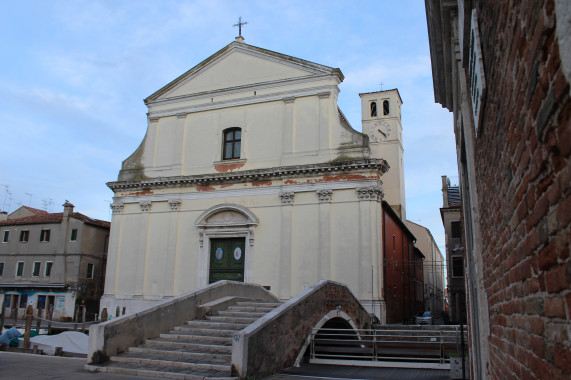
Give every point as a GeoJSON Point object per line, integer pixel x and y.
{"type": "Point", "coordinates": [181, 336]}
{"type": "Point", "coordinates": [241, 314]}
{"type": "Point", "coordinates": [205, 364]}
{"type": "Point", "coordinates": [206, 346]}
{"type": "Point", "coordinates": [258, 304]}
{"type": "Point", "coordinates": [217, 324]}
{"type": "Point", "coordinates": [159, 371]}
{"type": "Point", "coordinates": [204, 331]}
{"type": "Point", "coordinates": [263, 309]}
{"type": "Point", "coordinates": [191, 353]}
{"type": "Point", "coordinates": [231, 319]}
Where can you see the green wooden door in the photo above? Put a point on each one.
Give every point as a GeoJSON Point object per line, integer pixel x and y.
{"type": "Point", "coordinates": [227, 259]}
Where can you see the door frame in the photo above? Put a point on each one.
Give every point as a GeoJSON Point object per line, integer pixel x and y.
{"type": "Point", "coordinates": [226, 235]}
{"type": "Point", "coordinates": [240, 226]}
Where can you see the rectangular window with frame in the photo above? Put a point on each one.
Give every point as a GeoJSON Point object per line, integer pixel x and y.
{"type": "Point", "coordinates": [24, 235]}
{"type": "Point", "coordinates": [232, 144]}
{"type": "Point", "coordinates": [90, 271]}
{"type": "Point", "coordinates": [6, 236]}
{"type": "Point", "coordinates": [36, 270]}
{"type": "Point", "coordinates": [455, 229]}
{"type": "Point", "coordinates": [457, 266]}
{"type": "Point", "coordinates": [45, 236]}
{"type": "Point", "coordinates": [1, 269]}
{"type": "Point", "coordinates": [73, 235]}
{"type": "Point", "coordinates": [48, 269]}
{"type": "Point", "coordinates": [19, 269]}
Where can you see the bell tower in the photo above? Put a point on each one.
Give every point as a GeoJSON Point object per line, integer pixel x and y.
{"type": "Point", "coordinates": [381, 121]}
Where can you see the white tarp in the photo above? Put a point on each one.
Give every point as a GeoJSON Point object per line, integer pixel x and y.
{"type": "Point", "coordinates": [70, 341]}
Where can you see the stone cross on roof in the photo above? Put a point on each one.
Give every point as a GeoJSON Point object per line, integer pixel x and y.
{"type": "Point", "coordinates": [239, 25]}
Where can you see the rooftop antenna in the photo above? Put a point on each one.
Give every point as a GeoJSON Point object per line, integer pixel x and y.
{"type": "Point", "coordinates": [30, 202]}
{"type": "Point", "coordinates": [9, 201]}
{"type": "Point", "coordinates": [47, 203]}
{"type": "Point", "coordinates": [6, 193]}
{"type": "Point", "coordinates": [239, 24]}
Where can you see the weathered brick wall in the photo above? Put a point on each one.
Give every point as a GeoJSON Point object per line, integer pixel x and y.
{"type": "Point", "coordinates": [523, 174]}
{"type": "Point", "coordinates": [274, 341]}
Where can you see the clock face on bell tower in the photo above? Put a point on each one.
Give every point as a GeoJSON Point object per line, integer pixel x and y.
{"type": "Point", "coordinates": [380, 131]}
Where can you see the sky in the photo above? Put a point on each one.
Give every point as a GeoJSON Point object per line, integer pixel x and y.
{"type": "Point", "coordinates": [73, 76]}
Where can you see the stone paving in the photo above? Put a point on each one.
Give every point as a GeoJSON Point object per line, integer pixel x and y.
{"type": "Point", "coordinates": [322, 371]}
{"type": "Point", "coordinates": [17, 366]}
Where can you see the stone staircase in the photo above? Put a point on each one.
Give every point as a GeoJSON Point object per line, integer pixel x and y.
{"type": "Point", "coordinates": [200, 349]}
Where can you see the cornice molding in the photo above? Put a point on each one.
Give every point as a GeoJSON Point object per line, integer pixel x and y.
{"type": "Point", "coordinates": [228, 193]}
{"type": "Point", "coordinates": [213, 104]}
{"type": "Point", "coordinates": [255, 175]}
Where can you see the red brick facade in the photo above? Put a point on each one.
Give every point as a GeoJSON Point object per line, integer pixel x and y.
{"type": "Point", "coordinates": [516, 174]}
{"type": "Point", "coordinates": [402, 270]}
{"type": "Point", "coordinates": [523, 172]}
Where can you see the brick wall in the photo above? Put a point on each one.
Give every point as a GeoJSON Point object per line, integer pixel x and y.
{"type": "Point", "coordinates": [401, 269]}
{"type": "Point", "coordinates": [523, 175]}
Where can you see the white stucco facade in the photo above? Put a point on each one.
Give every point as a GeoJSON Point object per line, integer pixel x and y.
{"type": "Point", "coordinates": [302, 191]}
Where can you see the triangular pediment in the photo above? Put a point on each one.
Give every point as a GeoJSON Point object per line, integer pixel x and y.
{"type": "Point", "coordinates": [238, 65]}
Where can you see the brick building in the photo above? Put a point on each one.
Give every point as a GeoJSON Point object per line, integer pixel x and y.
{"type": "Point", "coordinates": [402, 269]}
{"type": "Point", "coordinates": [503, 68]}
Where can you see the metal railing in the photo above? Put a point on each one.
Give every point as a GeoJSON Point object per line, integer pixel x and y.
{"type": "Point", "coordinates": [386, 345]}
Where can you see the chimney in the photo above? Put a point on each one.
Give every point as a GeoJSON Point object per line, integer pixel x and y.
{"type": "Point", "coordinates": [3, 215]}
{"type": "Point", "coordinates": [67, 209]}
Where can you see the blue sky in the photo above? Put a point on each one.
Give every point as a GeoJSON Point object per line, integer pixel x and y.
{"type": "Point", "coordinates": [74, 75]}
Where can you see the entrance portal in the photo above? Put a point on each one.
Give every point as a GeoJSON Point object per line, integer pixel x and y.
{"type": "Point", "coordinates": [227, 259]}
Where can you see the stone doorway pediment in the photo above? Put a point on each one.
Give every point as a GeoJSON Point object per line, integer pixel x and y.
{"type": "Point", "coordinates": [226, 215]}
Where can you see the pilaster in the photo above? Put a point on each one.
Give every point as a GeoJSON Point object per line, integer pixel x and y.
{"type": "Point", "coordinates": [288, 125]}
{"type": "Point", "coordinates": [172, 251]}
{"type": "Point", "coordinates": [324, 233]}
{"type": "Point", "coordinates": [324, 121]}
{"type": "Point", "coordinates": [285, 256]}
{"type": "Point", "coordinates": [114, 248]}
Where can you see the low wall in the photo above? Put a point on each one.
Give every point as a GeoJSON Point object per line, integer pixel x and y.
{"type": "Point", "coordinates": [115, 336]}
{"type": "Point", "coordinates": [274, 341]}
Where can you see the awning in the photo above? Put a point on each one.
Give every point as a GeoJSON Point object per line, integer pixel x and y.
{"type": "Point", "coordinates": [33, 286]}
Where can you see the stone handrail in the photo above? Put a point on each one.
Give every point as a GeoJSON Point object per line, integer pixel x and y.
{"type": "Point", "coordinates": [112, 337]}
{"type": "Point", "coordinates": [274, 341]}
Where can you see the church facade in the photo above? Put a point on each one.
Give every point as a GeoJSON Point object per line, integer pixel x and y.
{"type": "Point", "coordinates": [249, 171]}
